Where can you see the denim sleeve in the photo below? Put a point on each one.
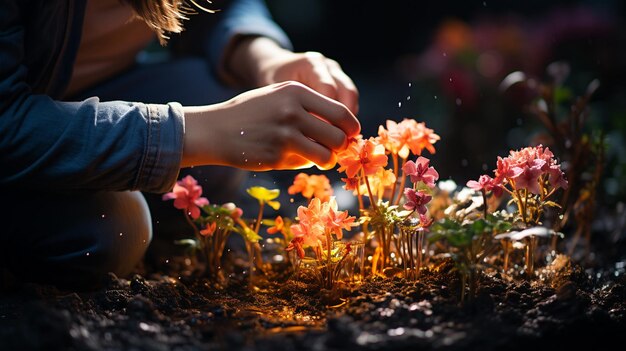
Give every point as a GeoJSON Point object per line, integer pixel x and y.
{"type": "Point", "coordinates": [242, 17]}
{"type": "Point", "coordinates": [91, 145]}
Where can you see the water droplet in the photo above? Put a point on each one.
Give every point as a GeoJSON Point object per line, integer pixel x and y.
{"type": "Point", "coordinates": [409, 85]}
{"type": "Point", "coordinates": [167, 261]}
{"type": "Point", "coordinates": [241, 132]}
{"type": "Point", "coordinates": [445, 54]}
{"type": "Point", "coordinates": [435, 97]}
{"type": "Point", "coordinates": [408, 98]}
{"type": "Point", "coordinates": [103, 215]}
{"type": "Point", "coordinates": [246, 160]}
{"type": "Point", "coordinates": [87, 254]}
{"type": "Point", "coordinates": [144, 241]}
{"type": "Point", "coordinates": [259, 163]}
{"type": "Point", "coordinates": [291, 200]}
{"type": "Point", "coordinates": [121, 234]}
{"type": "Point", "coordinates": [458, 101]}
{"type": "Point", "coordinates": [399, 104]}
{"type": "Point", "coordinates": [450, 79]}
{"type": "Point", "coordinates": [243, 153]}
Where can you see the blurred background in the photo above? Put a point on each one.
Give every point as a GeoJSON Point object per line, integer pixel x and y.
{"type": "Point", "coordinates": [442, 62]}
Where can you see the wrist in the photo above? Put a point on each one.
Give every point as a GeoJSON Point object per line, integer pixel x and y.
{"type": "Point", "coordinates": [249, 57]}
{"type": "Point", "coordinates": [199, 147]}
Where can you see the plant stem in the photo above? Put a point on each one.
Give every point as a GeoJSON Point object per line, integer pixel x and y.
{"type": "Point", "coordinates": [484, 203]}
{"type": "Point", "coordinates": [328, 260]}
{"type": "Point", "coordinates": [402, 181]}
{"type": "Point", "coordinates": [420, 243]}
{"type": "Point", "coordinates": [395, 172]}
{"type": "Point", "coordinates": [259, 217]}
{"type": "Point", "coordinates": [369, 191]}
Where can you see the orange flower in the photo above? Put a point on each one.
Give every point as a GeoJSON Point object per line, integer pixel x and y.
{"type": "Point", "coordinates": [367, 155]}
{"type": "Point", "coordinates": [396, 137]}
{"type": "Point", "coordinates": [309, 227]}
{"type": "Point", "coordinates": [311, 185]}
{"type": "Point", "coordinates": [422, 138]}
{"type": "Point", "coordinates": [334, 220]}
{"type": "Point", "coordinates": [408, 135]}
{"type": "Point", "coordinates": [210, 229]}
{"type": "Point", "coordinates": [279, 225]}
{"type": "Point", "coordinates": [380, 182]}
{"type": "Point", "coordinates": [351, 183]}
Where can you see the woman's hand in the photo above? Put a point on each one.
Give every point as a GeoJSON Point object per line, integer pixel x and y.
{"type": "Point", "coordinates": [264, 62]}
{"type": "Point", "coordinates": [281, 126]}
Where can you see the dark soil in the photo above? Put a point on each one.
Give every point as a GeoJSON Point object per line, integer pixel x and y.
{"type": "Point", "coordinates": [569, 308]}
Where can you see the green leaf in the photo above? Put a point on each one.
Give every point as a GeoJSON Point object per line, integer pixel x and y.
{"type": "Point", "coordinates": [187, 242]}
{"type": "Point", "coordinates": [251, 235]}
{"type": "Point", "coordinates": [551, 204]}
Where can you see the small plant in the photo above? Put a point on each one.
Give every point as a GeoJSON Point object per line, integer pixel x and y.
{"type": "Point", "coordinates": [529, 236]}
{"type": "Point", "coordinates": [531, 176]}
{"type": "Point", "coordinates": [213, 225]}
{"type": "Point", "coordinates": [320, 227]}
{"type": "Point", "coordinates": [470, 243]}
{"type": "Point", "coordinates": [211, 229]}
{"type": "Point", "coordinates": [365, 162]}
{"type": "Point", "coordinates": [565, 119]}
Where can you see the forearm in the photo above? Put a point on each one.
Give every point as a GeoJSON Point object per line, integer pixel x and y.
{"type": "Point", "coordinates": [90, 145]}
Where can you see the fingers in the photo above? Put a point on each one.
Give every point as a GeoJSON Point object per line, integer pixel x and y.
{"type": "Point", "coordinates": [330, 110]}
{"type": "Point", "coordinates": [322, 132]}
{"type": "Point", "coordinates": [308, 151]}
{"type": "Point", "coordinates": [330, 80]}
{"type": "Point", "coordinates": [347, 92]}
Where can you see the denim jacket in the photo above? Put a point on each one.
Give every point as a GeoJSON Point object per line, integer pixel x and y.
{"type": "Point", "coordinates": [46, 143]}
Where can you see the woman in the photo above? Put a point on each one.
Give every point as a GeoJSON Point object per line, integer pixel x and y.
{"type": "Point", "coordinates": [75, 149]}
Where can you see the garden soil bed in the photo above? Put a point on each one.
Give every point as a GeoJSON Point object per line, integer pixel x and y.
{"type": "Point", "coordinates": [570, 308]}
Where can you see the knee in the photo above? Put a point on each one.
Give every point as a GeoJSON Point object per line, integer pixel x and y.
{"type": "Point", "coordinates": [89, 235]}
{"type": "Point", "coordinates": [122, 242]}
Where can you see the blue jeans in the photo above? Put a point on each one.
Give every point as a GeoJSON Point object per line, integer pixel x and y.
{"type": "Point", "coordinates": [73, 239]}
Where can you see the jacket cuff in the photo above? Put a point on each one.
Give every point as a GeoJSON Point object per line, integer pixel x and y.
{"type": "Point", "coordinates": [250, 18]}
{"type": "Point", "coordinates": [163, 153]}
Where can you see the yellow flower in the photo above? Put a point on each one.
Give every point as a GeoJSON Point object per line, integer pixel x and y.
{"type": "Point", "coordinates": [265, 195]}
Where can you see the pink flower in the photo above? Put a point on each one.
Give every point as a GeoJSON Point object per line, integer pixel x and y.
{"type": "Point", "coordinates": [416, 200]}
{"type": "Point", "coordinates": [504, 170]}
{"type": "Point", "coordinates": [425, 222]}
{"type": "Point", "coordinates": [420, 171]}
{"type": "Point", "coordinates": [529, 180]}
{"type": "Point", "coordinates": [309, 227]}
{"type": "Point", "coordinates": [336, 221]}
{"type": "Point", "coordinates": [186, 196]}
{"type": "Point", "coordinates": [485, 183]}
{"type": "Point", "coordinates": [557, 178]}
